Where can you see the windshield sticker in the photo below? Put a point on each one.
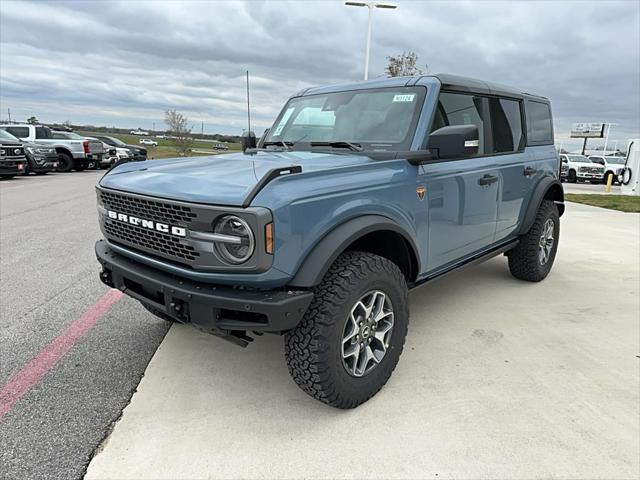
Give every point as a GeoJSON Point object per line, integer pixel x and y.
{"type": "Point", "coordinates": [283, 121]}
{"type": "Point", "coordinates": [404, 98]}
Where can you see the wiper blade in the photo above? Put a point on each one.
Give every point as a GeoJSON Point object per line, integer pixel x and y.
{"type": "Point", "coordinates": [339, 144]}
{"type": "Point", "coordinates": [278, 143]}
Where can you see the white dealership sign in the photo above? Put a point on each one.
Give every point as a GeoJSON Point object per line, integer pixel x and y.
{"type": "Point", "coordinates": [587, 130]}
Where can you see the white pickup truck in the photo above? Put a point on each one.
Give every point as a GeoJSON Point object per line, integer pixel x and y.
{"type": "Point", "coordinates": [74, 154]}
{"type": "Point", "coordinates": [579, 168]}
{"type": "Point", "coordinates": [613, 165]}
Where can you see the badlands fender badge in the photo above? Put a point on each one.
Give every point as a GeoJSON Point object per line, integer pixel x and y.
{"type": "Point", "coordinates": [421, 191]}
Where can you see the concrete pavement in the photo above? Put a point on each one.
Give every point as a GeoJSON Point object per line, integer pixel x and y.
{"type": "Point", "coordinates": [499, 379]}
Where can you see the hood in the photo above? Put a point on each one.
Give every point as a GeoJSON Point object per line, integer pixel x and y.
{"type": "Point", "coordinates": [218, 180]}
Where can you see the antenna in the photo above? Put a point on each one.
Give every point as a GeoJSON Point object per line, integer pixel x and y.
{"type": "Point", "coordinates": [248, 108]}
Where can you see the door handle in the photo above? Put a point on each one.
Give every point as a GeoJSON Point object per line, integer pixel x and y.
{"type": "Point", "coordinates": [528, 171]}
{"type": "Point", "coordinates": [487, 180]}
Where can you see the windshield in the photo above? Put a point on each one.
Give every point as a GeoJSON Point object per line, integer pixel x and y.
{"type": "Point", "coordinates": [375, 119]}
{"type": "Point", "coordinates": [578, 158]}
{"type": "Point", "coordinates": [4, 135]}
{"type": "Point", "coordinates": [117, 142]}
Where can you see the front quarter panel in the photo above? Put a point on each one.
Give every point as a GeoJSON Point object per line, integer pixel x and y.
{"type": "Point", "coordinates": [306, 207]}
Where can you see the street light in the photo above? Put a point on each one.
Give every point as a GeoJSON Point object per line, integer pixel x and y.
{"type": "Point", "coordinates": [370, 6]}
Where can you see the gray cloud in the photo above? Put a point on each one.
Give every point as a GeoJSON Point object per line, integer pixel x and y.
{"type": "Point", "coordinates": [123, 63]}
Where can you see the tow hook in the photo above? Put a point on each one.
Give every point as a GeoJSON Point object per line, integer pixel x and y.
{"type": "Point", "coordinates": [106, 278]}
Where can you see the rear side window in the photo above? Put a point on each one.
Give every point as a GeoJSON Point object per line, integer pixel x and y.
{"type": "Point", "coordinates": [20, 132]}
{"type": "Point", "coordinates": [506, 125]}
{"type": "Point", "coordinates": [460, 109]}
{"type": "Point", "coordinates": [539, 126]}
{"type": "Point", "coordinates": [43, 132]}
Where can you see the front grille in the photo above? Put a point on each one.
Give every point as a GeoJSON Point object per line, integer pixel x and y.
{"type": "Point", "coordinates": [161, 243]}
{"type": "Point", "coordinates": [156, 210]}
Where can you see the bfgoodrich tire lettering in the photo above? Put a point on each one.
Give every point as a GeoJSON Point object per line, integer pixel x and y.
{"type": "Point", "coordinates": [525, 261]}
{"type": "Point", "coordinates": [313, 350]}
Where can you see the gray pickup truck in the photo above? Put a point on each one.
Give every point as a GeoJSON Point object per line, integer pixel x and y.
{"type": "Point", "coordinates": [74, 154]}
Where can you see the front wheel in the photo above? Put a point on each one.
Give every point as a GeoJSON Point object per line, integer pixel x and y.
{"type": "Point", "coordinates": [572, 177]}
{"type": "Point", "coordinates": [350, 340]}
{"type": "Point", "coordinates": [533, 257]}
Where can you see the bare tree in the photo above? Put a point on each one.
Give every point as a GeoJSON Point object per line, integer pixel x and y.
{"type": "Point", "coordinates": [403, 64]}
{"type": "Point", "coordinates": [179, 131]}
{"type": "Point", "coordinates": [32, 120]}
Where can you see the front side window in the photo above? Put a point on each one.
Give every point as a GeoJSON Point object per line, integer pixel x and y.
{"type": "Point", "coordinates": [20, 132]}
{"type": "Point", "coordinates": [377, 119]}
{"type": "Point", "coordinates": [461, 109]}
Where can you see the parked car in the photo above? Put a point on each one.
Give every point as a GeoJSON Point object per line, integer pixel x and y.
{"type": "Point", "coordinates": [360, 193]}
{"type": "Point", "coordinates": [12, 159]}
{"type": "Point", "coordinates": [220, 146]}
{"type": "Point", "coordinates": [124, 151]}
{"type": "Point", "coordinates": [613, 165]}
{"type": "Point", "coordinates": [580, 168]}
{"type": "Point", "coordinates": [146, 141]}
{"type": "Point", "coordinates": [41, 159]}
{"type": "Point", "coordinates": [139, 132]}
{"type": "Point", "coordinates": [103, 162]}
{"type": "Point", "coordinates": [73, 153]}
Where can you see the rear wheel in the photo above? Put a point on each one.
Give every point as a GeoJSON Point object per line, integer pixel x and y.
{"type": "Point", "coordinates": [80, 166]}
{"type": "Point", "coordinates": [572, 177]}
{"type": "Point", "coordinates": [533, 257]}
{"type": "Point", "coordinates": [350, 340]}
{"type": "Point", "coordinates": [65, 162]}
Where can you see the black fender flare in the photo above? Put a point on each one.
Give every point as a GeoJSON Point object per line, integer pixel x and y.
{"type": "Point", "coordinates": [324, 253]}
{"type": "Point", "coordinates": [549, 188]}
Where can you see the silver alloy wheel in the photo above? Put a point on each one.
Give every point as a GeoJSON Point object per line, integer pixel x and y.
{"type": "Point", "coordinates": [367, 333]}
{"type": "Point", "coordinates": [546, 242]}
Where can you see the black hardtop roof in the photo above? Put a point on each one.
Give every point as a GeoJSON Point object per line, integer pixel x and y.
{"type": "Point", "coordinates": [468, 84]}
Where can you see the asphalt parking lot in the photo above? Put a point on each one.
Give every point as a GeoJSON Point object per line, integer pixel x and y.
{"type": "Point", "coordinates": [499, 378]}
{"type": "Point", "coordinates": [60, 406]}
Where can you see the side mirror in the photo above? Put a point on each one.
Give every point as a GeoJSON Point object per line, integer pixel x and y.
{"type": "Point", "coordinates": [248, 140]}
{"type": "Point", "coordinates": [263, 137]}
{"type": "Point", "coordinates": [454, 141]}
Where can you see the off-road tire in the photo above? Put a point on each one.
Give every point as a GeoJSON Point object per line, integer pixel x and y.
{"type": "Point", "coordinates": [65, 163]}
{"type": "Point", "coordinates": [572, 177]}
{"type": "Point", "coordinates": [524, 262]}
{"type": "Point", "coordinates": [158, 313]}
{"type": "Point", "coordinates": [313, 348]}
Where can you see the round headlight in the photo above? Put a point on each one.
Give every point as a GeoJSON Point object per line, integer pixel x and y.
{"type": "Point", "coordinates": [241, 240]}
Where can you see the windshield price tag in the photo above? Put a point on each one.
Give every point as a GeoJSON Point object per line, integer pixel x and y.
{"type": "Point", "coordinates": [403, 98]}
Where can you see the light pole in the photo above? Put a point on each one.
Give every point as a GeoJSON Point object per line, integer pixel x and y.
{"type": "Point", "coordinates": [370, 6]}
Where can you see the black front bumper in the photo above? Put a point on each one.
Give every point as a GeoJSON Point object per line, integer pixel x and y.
{"type": "Point", "coordinates": [221, 310]}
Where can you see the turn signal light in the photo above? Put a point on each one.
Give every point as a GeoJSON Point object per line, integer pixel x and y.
{"type": "Point", "coordinates": [268, 238]}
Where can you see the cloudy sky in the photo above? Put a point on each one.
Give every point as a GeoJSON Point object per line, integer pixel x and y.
{"type": "Point", "coordinates": [124, 63]}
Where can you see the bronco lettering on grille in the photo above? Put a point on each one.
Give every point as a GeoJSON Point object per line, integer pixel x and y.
{"type": "Point", "coordinates": [151, 225]}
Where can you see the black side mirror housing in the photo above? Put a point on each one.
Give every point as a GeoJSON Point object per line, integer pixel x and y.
{"type": "Point", "coordinates": [454, 141]}
{"type": "Point", "coordinates": [248, 140]}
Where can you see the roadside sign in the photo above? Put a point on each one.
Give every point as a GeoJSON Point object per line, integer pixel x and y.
{"type": "Point", "coordinates": [587, 130]}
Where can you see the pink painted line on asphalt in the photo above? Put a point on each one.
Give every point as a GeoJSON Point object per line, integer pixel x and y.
{"type": "Point", "coordinates": [33, 371]}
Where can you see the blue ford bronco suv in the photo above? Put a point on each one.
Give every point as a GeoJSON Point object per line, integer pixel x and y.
{"type": "Point", "coordinates": [356, 194]}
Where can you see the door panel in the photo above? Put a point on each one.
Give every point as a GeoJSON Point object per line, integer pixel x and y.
{"type": "Point", "coordinates": [462, 208]}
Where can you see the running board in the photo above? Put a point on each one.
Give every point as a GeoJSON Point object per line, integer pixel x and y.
{"type": "Point", "coordinates": [479, 258]}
